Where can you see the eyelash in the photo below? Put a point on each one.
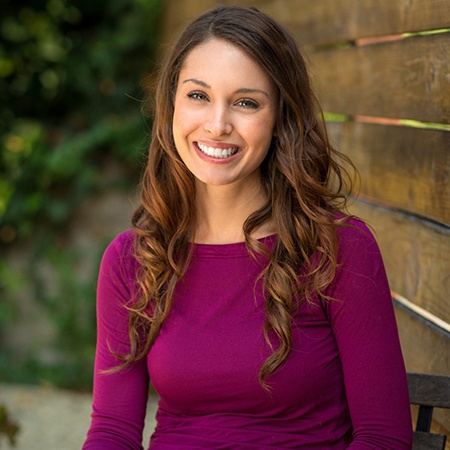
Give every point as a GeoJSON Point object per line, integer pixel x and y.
{"type": "Point", "coordinates": [245, 103]}
{"type": "Point", "coordinates": [197, 96]}
{"type": "Point", "coordinates": [249, 104]}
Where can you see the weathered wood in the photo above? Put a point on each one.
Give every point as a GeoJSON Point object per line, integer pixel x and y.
{"type": "Point", "coordinates": [329, 21]}
{"type": "Point", "coordinates": [405, 79]}
{"type": "Point", "coordinates": [416, 255]}
{"type": "Point", "coordinates": [436, 427]}
{"type": "Point", "coordinates": [429, 389]}
{"type": "Point", "coordinates": [427, 441]}
{"type": "Point", "coordinates": [426, 350]}
{"type": "Point", "coordinates": [405, 168]}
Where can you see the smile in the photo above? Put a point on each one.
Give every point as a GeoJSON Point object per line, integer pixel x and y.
{"type": "Point", "coordinates": [220, 153]}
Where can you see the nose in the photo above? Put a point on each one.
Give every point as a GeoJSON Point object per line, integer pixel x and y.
{"type": "Point", "coordinates": [218, 121]}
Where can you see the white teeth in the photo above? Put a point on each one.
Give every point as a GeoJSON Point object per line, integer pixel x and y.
{"type": "Point", "coordinates": [217, 152]}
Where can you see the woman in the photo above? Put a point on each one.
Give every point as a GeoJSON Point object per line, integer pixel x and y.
{"type": "Point", "coordinates": [260, 312]}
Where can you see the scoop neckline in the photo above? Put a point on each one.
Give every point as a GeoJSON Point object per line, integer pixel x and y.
{"type": "Point", "coordinates": [269, 237]}
{"type": "Point", "coordinates": [229, 249]}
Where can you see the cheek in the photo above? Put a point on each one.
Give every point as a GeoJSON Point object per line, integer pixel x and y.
{"type": "Point", "coordinates": [263, 135]}
{"type": "Point", "coordinates": [176, 120]}
{"type": "Point", "coordinates": [178, 127]}
{"type": "Point", "coordinates": [184, 122]}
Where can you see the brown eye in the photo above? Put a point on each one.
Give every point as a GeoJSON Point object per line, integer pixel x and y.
{"type": "Point", "coordinates": [197, 96]}
{"type": "Point", "coordinates": [248, 104]}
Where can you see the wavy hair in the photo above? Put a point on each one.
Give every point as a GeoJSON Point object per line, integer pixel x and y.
{"type": "Point", "coordinates": [301, 174]}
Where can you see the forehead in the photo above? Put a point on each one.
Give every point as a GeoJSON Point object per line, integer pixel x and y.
{"type": "Point", "coordinates": [221, 59]}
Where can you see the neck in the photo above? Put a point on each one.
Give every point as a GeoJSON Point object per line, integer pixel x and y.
{"type": "Point", "coordinates": [222, 211]}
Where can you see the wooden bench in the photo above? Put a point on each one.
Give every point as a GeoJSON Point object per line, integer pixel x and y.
{"type": "Point", "coordinates": [428, 391]}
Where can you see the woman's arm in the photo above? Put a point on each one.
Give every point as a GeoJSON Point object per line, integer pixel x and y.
{"type": "Point", "coordinates": [120, 398]}
{"type": "Point", "coordinates": [364, 325]}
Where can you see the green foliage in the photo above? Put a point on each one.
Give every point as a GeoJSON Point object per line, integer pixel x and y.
{"type": "Point", "coordinates": [69, 72]}
{"type": "Point", "coordinates": [72, 77]}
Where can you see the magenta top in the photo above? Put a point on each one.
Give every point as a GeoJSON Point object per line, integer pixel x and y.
{"type": "Point", "coordinates": [342, 387]}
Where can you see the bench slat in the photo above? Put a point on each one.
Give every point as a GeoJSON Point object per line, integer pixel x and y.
{"type": "Point", "coordinates": [428, 441]}
{"type": "Point", "coordinates": [429, 390]}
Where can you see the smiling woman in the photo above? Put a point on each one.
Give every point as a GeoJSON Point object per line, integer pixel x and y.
{"type": "Point", "coordinates": [259, 310]}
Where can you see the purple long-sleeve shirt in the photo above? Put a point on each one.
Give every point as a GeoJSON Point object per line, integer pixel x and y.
{"type": "Point", "coordinates": [342, 387]}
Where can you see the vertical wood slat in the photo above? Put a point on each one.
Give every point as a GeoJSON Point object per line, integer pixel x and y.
{"type": "Point", "coordinates": [425, 350]}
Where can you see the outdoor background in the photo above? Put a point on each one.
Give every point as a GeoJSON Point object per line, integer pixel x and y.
{"type": "Point", "coordinates": [73, 79]}
{"type": "Point", "coordinates": [73, 141]}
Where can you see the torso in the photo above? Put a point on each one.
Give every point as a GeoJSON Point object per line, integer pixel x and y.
{"type": "Point", "coordinates": [206, 360]}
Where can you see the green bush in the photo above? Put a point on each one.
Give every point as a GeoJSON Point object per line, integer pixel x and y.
{"type": "Point", "coordinates": [72, 77]}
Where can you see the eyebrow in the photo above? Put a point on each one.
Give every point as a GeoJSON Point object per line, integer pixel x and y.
{"type": "Point", "coordinates": [238, 91]}
{"type": "Point", "coordinates": [195, 81]}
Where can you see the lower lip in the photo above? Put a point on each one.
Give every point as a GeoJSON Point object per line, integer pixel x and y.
{"type": "Point", "coordinates": [212, 160]}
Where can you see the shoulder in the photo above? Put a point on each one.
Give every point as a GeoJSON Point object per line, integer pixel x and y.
{"type": "Point", "coordinates": [359, 255]}
{"type": "Point", "coordinates": [360, 279]}
{"type": "Point", "coordinates": [119, 254]}
{"type": "Point", "coordinates": [355, 236]}
{"type": "Point", "coordinates": [359, 259]}
{"type": "Point", "coordinates": [122, 244]}
{"type": "Point", "coordinates": [353, 227]}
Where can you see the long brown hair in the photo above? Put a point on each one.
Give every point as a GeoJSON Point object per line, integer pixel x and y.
{"type": "Point", "coordinates": [301, 175]}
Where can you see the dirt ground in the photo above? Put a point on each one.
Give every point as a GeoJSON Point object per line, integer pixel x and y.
{"type": "Point", "coordinates": [51, 419]}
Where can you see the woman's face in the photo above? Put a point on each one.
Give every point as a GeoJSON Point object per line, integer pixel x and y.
{"type": "Point", "coordinates": [225, 113]}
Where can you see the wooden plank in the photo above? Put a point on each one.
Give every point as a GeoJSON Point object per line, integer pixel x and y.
{"type": "Point", "coordinates": [330, 21]}
{"type": "Point", "coordinates": [417, 257]}
{"type": "Point", "coordinates": [427, 441]}
{"type": "Point", "coordinates": [425, 350]}
{"type": "Point", "coordinates": [405, 168]}
{"type": "Point", "coordinates": [327, 21]}
{"type": "Point", "coordinates": [407, 79]}
{"type": "Point", "coordinates": [425, 316]}
{"type": "Point", "coordinates": [429, 389]}
{"type": "Point", "coordinates": [419, 356]}
{"type": "Point", "coordinates": [435, 426]}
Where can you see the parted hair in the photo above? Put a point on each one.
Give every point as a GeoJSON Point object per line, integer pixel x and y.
{"type": "Point", "coordinates": [303, 176]}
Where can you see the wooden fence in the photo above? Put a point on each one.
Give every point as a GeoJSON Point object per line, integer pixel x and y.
{"type": "Point", "coordinates": [382, 72]}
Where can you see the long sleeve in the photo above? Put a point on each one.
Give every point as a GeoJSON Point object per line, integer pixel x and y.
{"type": "Point", "coordinates": [119, 400]}
{"type": "Point", "coordinates": [364, 326]}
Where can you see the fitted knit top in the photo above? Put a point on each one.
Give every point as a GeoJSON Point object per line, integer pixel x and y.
{"type": "Point", "coordinates": [342, 386]}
